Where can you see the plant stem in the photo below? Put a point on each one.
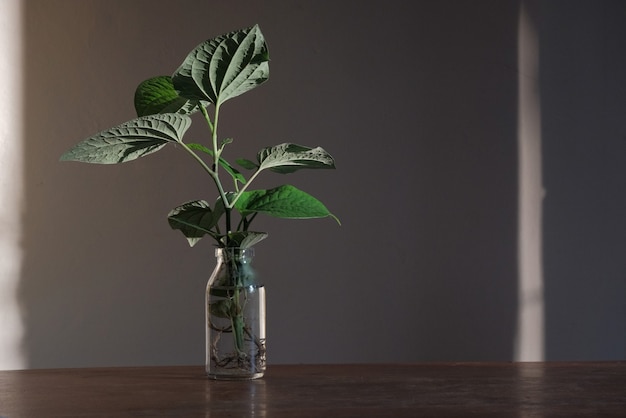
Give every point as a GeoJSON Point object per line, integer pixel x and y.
{"type": "Point", "coordinates": [216, 159]}
{"type": "Point", "coordinates": [243, 188]}
{"type": "Point", "coordinates": [212, 173]}
{"type": "Point", "coordinates": [228, 205]}
{"type": "Point", "coordinates": [237, 321]}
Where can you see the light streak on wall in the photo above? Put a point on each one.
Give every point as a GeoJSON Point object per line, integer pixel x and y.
{"type": "Point", "coordinates": [529, 344]}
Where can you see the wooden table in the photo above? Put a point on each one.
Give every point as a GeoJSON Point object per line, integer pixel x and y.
{"type": "Point", "coordinates": [451, 389]}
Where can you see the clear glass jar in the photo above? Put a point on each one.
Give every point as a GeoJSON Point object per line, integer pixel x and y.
{"type": "Point", "coordinates": [235, 318]}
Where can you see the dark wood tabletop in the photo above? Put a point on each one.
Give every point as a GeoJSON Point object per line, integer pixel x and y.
{"type": "Point", "coordinates": [375, 390]}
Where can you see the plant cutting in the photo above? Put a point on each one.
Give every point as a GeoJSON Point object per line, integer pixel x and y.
{"type": "Point", "coordinates": [214, 72]}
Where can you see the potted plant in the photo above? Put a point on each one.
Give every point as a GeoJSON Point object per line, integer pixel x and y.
{"type": "Point", "coordinates": [217, 70]}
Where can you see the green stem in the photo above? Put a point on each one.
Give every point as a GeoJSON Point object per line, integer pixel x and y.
{"type": "Point", "coordinates": [237, 322]}
{"type": "Point", "coordinates": [243, 188]}
{"type": "Point", "coordinates": [227, 212]}
{"type": "Point", "coordinates": [212, 173]}
{"type": "Point", "coordinates": [217, 152]}
{"type": "Point", "coordinates": [215, 172]}
{"type": "Point", "coordinates": [244, 223]}
{"type": "Point", "coordinates": [213, 127]}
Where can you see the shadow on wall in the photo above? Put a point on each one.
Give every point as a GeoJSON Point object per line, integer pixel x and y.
{"type": "Point", "coordinates": [583, 85]}
{"type": "Point", "coordinates": [418, 104]}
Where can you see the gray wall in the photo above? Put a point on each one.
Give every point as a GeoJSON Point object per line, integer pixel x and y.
{"type": "Point", "coordinates": [584, 134]}
{"type": "Point", "coordinates": [417, 101]}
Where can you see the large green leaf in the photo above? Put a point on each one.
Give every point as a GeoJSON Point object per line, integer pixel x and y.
{"type": "Point", "coordinates": [195, 219]}
{"type": "Point", "coordinates": [224, 67]}
{"type": "Point", "coordinates": [287, 158]}
{"type": "Point", "coordinates": [157, 95]}
{"type": "Point", "coordinates": [283, 202]}
{"type": "Point", "coordinates": [130, 140]}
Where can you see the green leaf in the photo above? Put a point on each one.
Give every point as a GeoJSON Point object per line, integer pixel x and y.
{"type": "Point", "coordinates": [225, 164]}
{"type": "Point", "coordinates": [157, 95]}
{"type": "Point", "coordinates": [287, 158]}
{"type": "Point", "coordinates": [224, 67]}
{"type": "Point", "coordinates": [195, 219]}
{"type": "Point", "coordinates": [131, 140]}
{"type": "Point", "coordinates": [247, 164]}
{"type": "Point", "coordinates": [283, 202]}
{"type": "Point", "coordinates": [244, 239]}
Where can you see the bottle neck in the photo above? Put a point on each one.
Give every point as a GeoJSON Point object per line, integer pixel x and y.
{"type": "Point", "coordinates": [240, 255]}
{"type": "Point", "coordinates": [234, 268]}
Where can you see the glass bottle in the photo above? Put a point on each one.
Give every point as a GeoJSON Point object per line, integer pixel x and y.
{"type": "Point", "coordinates": [235, 318]}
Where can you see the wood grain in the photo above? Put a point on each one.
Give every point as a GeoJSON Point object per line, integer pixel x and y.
{"type": "Point", "coordinates": [398, 390]}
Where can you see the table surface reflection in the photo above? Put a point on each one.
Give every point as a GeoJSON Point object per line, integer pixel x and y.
{"type": "Point", "coordinates": [368, 390]}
